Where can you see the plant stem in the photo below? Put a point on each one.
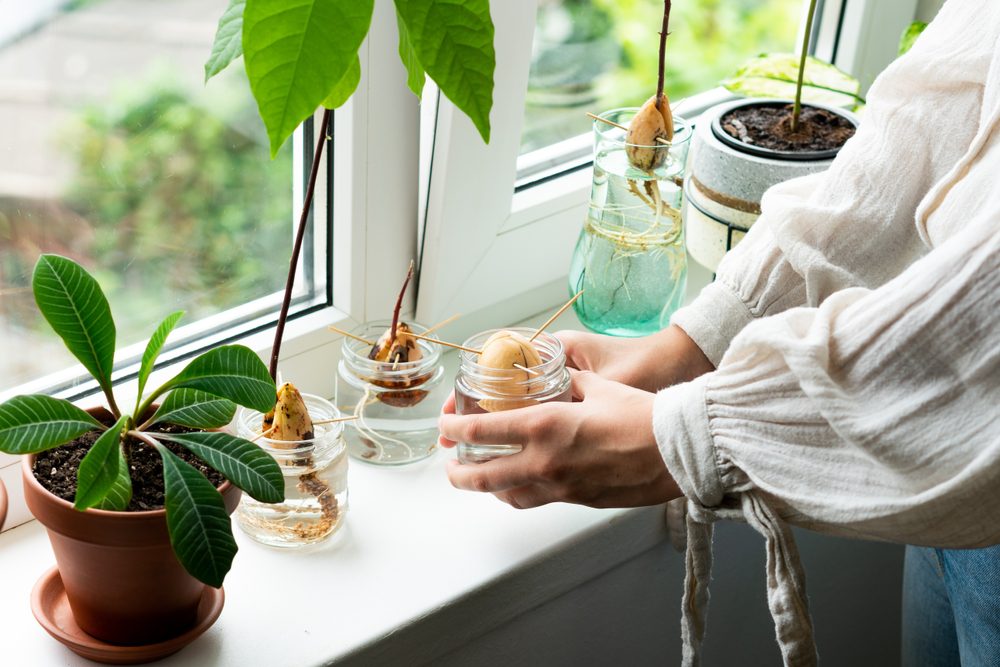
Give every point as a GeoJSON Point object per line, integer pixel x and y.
{"type": "Point", "coordinates": [797, 107]}
{"type": "Point", "coordinates": [663, 49]}
{"type": "Point", "coordinates": [286, 301]}
{"type": "Point", "coordinates": [146, 438]}
{"type": "Point", "coordinates": [112, 405]}
{"type": "Point", "coordinates": [399, 304]}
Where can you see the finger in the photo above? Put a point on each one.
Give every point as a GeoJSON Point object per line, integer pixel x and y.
{"type": "Point", "coordinates": [498, 428]}
{"type": "Point", "coordinates": [527, 497]}
{"type": "Point", "coordinates": [585, 382]}
{"type": "Point", "coordinates": [447, 409]}
{"type": "Point", "coordinates": [570, 341]}
{"type": "Point", "coordinates": [500, 474]}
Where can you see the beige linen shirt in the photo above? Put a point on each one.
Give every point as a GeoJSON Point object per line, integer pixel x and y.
{"type": "Point", "coordinates": [856, 334]}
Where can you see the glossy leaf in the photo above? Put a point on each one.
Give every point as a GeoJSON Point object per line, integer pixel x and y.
{"type": "Point", "coordinates": [243, 463]}
{"type": "Point", "coordinates": [36, 422]}
{"type": "Point", "coordinates": [233, 372]}
{"type": "Point", "coordinates": [154, 346]}
{"type": "Point", "coordinates": [120, 493]}
{"type": "Point", "coordinates": [775, 75]}
{"type": "Point", "coordinates": [415, 75]}
{"type": "Point", "coordinates": [910, 35]}
{"type": "Point", "coordinates": [296, 52]}
{"type": "Point", "coordinates": [228, 43]}
{"type": "Point", "coordinates": [453, 42]}
{"type": "Point", "coordinates": [74, 305]}
{"type": "Point", "coordinates": [345, 87]}
{"type": "Point", "coordinates": [198, 409]}
{"type": "Point", "coordinates": [99, 468]}
{"type": "Point", "coordinates": [200, 531]}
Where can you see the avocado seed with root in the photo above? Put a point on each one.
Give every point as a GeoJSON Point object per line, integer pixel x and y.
{"type": "Point", "coordinates": [651, 126]}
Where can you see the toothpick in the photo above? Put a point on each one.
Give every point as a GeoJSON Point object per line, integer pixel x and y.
{"type": "Point", "coordinates": [553, 318]}
{"type": "Point", "coordinates": [622, 127]}
{"type": "Point", "coordinates": [442, 324]}
{"type": "Point", "coordinates": [262, 434]}
{"type": "Point", "coordinates": [336, 420]}
{"type": "Point", "coordinates": [350, 335]}
{"type": "Point", "coordinates": [445, 343]}
{"type": "Point", "coordinates": [529, 371]}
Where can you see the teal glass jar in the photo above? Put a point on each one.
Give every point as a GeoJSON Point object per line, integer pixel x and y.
{"type": "Point", "coordinates": [630, 258]}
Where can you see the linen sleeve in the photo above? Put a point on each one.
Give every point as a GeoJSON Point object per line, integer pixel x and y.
{"type": "Point", "coordinates": [853, 225]}
{"type": "Point", "coordinates": [876, 414]}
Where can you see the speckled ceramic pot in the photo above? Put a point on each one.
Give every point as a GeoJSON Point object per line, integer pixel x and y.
{"type": "Point", "coordinates": [727, 178]}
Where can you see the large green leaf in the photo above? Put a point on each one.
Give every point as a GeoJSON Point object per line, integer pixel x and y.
{"type": "Point", "coordinates": [910, 35]}
{"type": "Point", "coordinates": [154, 346]}
{"type": "Point", "coordinates": [230, 371]}
{"type": "Point", "coordinates": [197, 409]}
{"type": "Point", "coordinates": [120, 493]}
{"type": "Point", "coordinates": [199, 526]}
{"type": "Point", "coordinates": [345, 87]}
{"type": "Point", "coordinates": [775, 75]}
{"type": "Point", "coordinates": [228, 44]}
{"type": "Point", "coordinates": [76, 308]}
{"type": "Point", "coordinates": [243, 463]}
{"type": "Point", "coordinates": [99, 468]}
{"type": "Point", "coordinates": [295, 52]}
{"type": "Point", "coordinates": [35, 423]}
{"type": "Point", "coordinates": [453, 41]}
{"type": "Point", "coordinates": [415, 75]}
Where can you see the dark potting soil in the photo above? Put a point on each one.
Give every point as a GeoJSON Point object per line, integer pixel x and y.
{"type": "Point", "coordinates": [771, 127]}
{"type": "Point", "coordinates": [56, 468]}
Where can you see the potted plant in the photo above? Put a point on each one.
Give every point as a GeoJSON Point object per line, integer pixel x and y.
{"type": "Point", "coordinates": [136, 499]}
{"type": "Point", "coordinates": [742, 148]}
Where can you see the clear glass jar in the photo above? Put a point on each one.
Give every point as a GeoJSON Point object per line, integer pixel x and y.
{"type": "Point", "coordinates": [630, 257]}
{"type": "Point", "coordinates": [315, 474]}
{"type": "Point", "coordinates": [396, 405]}
{"type": "Point", "coordinates": [480, 389]}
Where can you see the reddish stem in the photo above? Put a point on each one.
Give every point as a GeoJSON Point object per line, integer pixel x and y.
{"type": "Point", "coordinates": [399, 304]}
{"type": "Point", "coordinates": [663, 49]}
{"type": "Point", "coordinates": [286, 301]}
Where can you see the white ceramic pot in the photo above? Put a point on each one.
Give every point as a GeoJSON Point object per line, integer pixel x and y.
{"type": "Point", "coordinates": [727, 178]}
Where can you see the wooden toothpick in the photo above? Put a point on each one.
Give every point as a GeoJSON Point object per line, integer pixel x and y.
{"type": "Point", "coordinates": [445, 343]}
{"type": "Point", "coordinates": [553, 318]}
{"type": "Point", "coordinates": [262, 434]}
{"type": "Point", "coordinates": [622, 127]}
{"type": "Point", "coordinates": [443, 323]}
{"type": "Point", "coordinates": [350, 335]}
{"type": "Point", "coordinates": [529, 371]}
{"type": "Point", "coordinates": [337, 419]}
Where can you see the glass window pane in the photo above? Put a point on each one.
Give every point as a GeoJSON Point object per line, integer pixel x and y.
{"type": "Point", "coordinates": [594, 55]}
{"type": "Point", "coordinates": [116, 153]}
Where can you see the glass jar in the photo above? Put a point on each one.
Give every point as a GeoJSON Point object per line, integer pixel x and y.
{"type": "Point", "coordinates": [396, 404]}
{"type": "Point", "coordinates": [315, 473]}
{"type": "Point", "coordinates": [480, 389]}
{"type": "Point", "coordinates": [630, 258]}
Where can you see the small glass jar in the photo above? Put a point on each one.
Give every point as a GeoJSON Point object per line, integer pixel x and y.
{"type": "Point", "coordinates": [315, 473]}
{"type": "Point", "coordinates": [396, 404]}
{"type": "Point", "coordinates": [480, 389]}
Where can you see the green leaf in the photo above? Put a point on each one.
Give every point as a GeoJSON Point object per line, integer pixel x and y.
{"type": "Point", "coordinates": [99, 468]}
{"type": "Point", "coordinates": [199, 526]}
{"type": "Point", "coordinates": [154, 346]}
{"type": "Point", "coordinates": [296, 52]}
{"type": "Point", "coordinates": [76, 308]}
{"type": "Point", "coordinates": [243, 463]}
{"type": "Point", "coordinates": [120, 493]}
{"type": "Point", "coordinates": [197, 409]}
{"type": "Point", "coordinates": [910, 35]}
{"type": "Point", "coordinates": [228, 44]}
{"type": "Point", "coordinates": [415, 75]}
{"type": "Point", "coordinates": [345, 87]}
{"type": "Point", "coordinates": [453, 41]}
{"type": "Point", "coordinates": [775, 75]}
{"type": "Point", "coordinates": [233, 372]}
{"type": "Point", "coordinates": [34, 423]}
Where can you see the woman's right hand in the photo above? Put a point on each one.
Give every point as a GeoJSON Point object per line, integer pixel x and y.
{"type": "Point", "coordinates": [649, 363]}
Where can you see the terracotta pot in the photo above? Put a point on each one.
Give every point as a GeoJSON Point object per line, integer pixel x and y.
{"type": "Point", "coordinates": [3, 503]}
{"type": "Point", "coordinates": [123, 581]}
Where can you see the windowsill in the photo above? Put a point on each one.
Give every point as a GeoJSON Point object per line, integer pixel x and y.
{"type": "Point", "coordinates": [419, 570]}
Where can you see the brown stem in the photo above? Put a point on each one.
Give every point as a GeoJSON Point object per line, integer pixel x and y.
{"type": "Point", "coordinates": [663, 50]}
{"type": "Point", "coordinates": [797, 106]}
{"type": "Point", "coordinates": [399, 304]}
{"type": "Point", "coordinates": [286, 301]}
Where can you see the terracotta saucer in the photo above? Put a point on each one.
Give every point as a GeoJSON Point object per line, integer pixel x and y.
{"type": "Point", "coordinates": [51, 608]}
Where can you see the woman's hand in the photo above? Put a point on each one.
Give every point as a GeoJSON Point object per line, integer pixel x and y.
{"type": "Point", "coordinates": [599, 452]}
{"type": "Point", "coordinates": [650, 363]}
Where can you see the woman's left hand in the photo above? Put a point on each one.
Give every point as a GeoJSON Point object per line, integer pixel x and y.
{"type": "Point", "coordinates": [599, 451]}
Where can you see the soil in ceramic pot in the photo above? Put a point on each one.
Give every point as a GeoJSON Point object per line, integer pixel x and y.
{"type": "Point", "coordinates": [770, 127]}
{"type": "Point", "coordinates": [56, 469]}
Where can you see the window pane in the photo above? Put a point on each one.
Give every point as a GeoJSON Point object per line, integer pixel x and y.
{"type": "Point", "coordinates": [117, 154]}
{"type": "Point", "coordinates": [594, 55]}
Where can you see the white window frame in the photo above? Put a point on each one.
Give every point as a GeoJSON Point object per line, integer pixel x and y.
{"type": "Point", "coordinates": [497, 252]}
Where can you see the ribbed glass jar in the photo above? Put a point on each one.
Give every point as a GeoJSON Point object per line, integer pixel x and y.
{"type": "Point", "coordinates": [480, 389]}
{"type": "Point", "coordinates": [315, 473]}
{"type": "Point", "coordinates": [396, 404]}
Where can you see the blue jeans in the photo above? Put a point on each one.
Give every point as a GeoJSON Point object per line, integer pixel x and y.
{"type": "Point", "coordinates": [951, 607]}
